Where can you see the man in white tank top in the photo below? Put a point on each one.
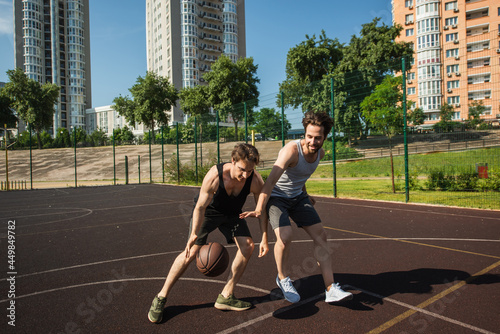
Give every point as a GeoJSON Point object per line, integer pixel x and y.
{"type": "Point", "coordinates": [284, 196]}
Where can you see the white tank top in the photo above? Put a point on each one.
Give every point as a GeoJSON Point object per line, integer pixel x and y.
{"type": "Point", "coordinates": [293, 179]}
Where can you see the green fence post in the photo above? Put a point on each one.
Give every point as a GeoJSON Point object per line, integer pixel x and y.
{"type": "Point", "coordinates": [178, 158]}
{"type": "Point", "coordinates": [162, 157]}
{"type": "Point", "coordinates": [218, 142]}
{"type": "Point", "coordinates": [282, 119]}
{"type": "Point", "coordinates": [246, 122]}
{"type": "Point", "coordinates": [74, 133]}
{"type": "Point", "coordinates": [150, 162]}
{"type": "Point", "coordinates": [114, 159]}
{"type": "Point", "coordinates": [405, 134]}
{"type": "Point", "coordinates": [31, 158]}
{"type": "Point", "coordinates": [195, 150]}
{"type": "Point", "coordinates": [334, 160]}
{"type": "Point", "coordinates": [126, 170]}
{"type": "Point", "coordinates": [5, 140]}
{"type": "Point", "coordinates": [139, 167]}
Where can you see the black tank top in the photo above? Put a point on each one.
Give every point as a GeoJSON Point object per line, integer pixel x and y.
{"type": "Point", "coordinates": [224, 204]}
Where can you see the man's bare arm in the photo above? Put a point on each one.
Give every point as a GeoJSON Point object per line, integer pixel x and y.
{"type": "Point", "coordinates": [208, 188]}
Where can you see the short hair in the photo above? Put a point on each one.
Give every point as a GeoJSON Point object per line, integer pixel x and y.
{"type": "Point", "coordinates": [319, 118]}
{"type": "Point", "coordinates": [245, 152]}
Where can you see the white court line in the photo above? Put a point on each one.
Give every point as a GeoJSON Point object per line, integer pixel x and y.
{"type": "Point", "coordinates": [421, 310]}
{"type": "Point", "coordinates": [131, 280]}
{"type": "Point", "coordinates": [416, 211]}
{"type": "Point", "coordinates": [270, 314]}
{"type": "Point", "coordinates": [230, 246]}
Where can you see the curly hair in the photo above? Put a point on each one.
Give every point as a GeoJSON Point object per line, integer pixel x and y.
{"type": "Point", "coordinates": [319, 118]}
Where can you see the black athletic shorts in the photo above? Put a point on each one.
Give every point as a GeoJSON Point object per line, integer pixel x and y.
{"type": "Point", "coordinates": [229, 226]}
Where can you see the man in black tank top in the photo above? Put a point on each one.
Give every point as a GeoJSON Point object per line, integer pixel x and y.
{"type": "Point", "coordinates": [218, 205]}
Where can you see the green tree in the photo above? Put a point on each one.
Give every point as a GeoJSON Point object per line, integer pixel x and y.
{"type": "Point", "coordinates": [384, 110]}
{"type": "Point", "coordinates": [152, 95]}
{"type": "Point", "coordinates": [356, 69]}
{"type": "Point", "coordinates": [476, 109]}
{"type": "Point", "coordinates": [123, 134]}
{"type": "Point", "coordinates": [98, 137]}
{"type": "Point", "coordinates": [81, 136]}
{"type": "Point", "coordinates": [6, 113]}
{"type": "Point", "coordinates": [416, 116]}
{"type": "Point", "coordinates": [445, 123]}
{"type": "Point", "coordinates": [268, 122]}
{"type": "Point", "coordinates": [307, 64]}
{"type": "Point", "coordinates": [195, 103]}
{"type": "Point", "coordinates": [365, 63]}
{"type": "Point", "coordinates": [230, 84]}
{"type": "Point", "coordinates": [33, 102]}
{"type": "Point", "coordinates": [62, 138]}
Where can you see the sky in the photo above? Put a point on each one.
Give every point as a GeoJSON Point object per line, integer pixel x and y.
{"type": "Point", "coordinates": [118, 37]}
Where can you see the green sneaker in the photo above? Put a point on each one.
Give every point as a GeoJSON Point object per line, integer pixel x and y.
{"type": "Point", "coordinates": [156, 311]}
{"type": "Point", "coordinates": [231, 304]}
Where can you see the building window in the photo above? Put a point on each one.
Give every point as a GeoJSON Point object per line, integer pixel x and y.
{"type": "Point", "coordinates": [411, 91]}
{"type": "Point", "coordinates": [429, 57]}
{"type": "Point", "coordinates": [480, 94]}
{"type": "Point", "coordinates": [427, 25]}
{"type": "Point", "coordinates": [451, 53]}
{"type": "Point", "coordinates": [411, 76]}
{"type": "Point", "coordinates": [477, 14]}
{"type": "Point", "coordinates": [453, 84]}
{"type": "Point", "coordinates": [408, 3]}
{"type": "Point", "coordinates": [478, 30]}
{"type": "Point", "coordinates": [451, 21]}
{"type": "Point", "coordinates": [409, 32]}
{"type": "Point", "coordinates": [429, 72]}
{"type": "Point", "coordinates": [409, 18]}
{"type": "Point", "coordinates": [478, 62]}
{"type": "Point", "coordinates": [452, 68]}
{"type": "Point", "coordinates": [450, 5]}
{"type": "Point", "coordinates": [479, 78]}
{"type": "Point", "coordinates": [429, 87]}
{"type": "Point", "coordinates": [453, 100]}
{"type": "Point", "coordinates": [427, 41]}
{"type": "Point", "coordinates": [479, 46]}
{"type": "Point", "coordinates": [452, 37]}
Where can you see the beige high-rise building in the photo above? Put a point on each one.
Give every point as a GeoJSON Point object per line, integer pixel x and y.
{"type": "Point", "coordinates": [457, 53]}
{"type": "Point", "coordinates": [52, 41]}
{"type": "Point", "coordinates": [185, 37]}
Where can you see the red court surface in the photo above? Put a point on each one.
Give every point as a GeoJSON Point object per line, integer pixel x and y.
{"type": "Point", "coordinates": [90, 260]}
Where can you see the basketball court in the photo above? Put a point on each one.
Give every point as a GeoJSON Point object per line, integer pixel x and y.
{"type": "Point", "coordinates": [91, 259]}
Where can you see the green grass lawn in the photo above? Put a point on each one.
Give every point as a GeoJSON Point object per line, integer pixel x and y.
{"type": "Point", "coordinates": [382, 190]}
{"type": "Point", "coordinates": [419, 165]}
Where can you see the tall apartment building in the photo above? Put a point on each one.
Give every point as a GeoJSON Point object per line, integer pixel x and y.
{"type": "Point", "coordinates": [52, 44]}
{"type": "Point", "coordinates": [457, 53]}
{"type": "Point", "coordinates": [185, 37]}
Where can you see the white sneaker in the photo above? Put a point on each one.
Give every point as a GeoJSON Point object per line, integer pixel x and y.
{"type": "Point", "coordinates": [336, 294]}
{"type": "Point", "coordinates": [288, 289]}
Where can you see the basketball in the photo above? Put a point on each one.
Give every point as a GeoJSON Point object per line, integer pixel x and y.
{"type": "Point", "coordinates": [212, 259]}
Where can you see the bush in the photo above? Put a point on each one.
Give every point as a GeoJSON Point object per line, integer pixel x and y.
{"type": "Point", "coordinates": [187, 172]}
{"type": "Point", "coordinates": [342, 151]}
{"type": "Point", "coordinates": [438, 179]}
{"type": "Point", "coordinates": [492, 182]}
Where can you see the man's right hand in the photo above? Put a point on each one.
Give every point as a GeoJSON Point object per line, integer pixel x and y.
{"type": "Point", "coordinates": [190, 244]}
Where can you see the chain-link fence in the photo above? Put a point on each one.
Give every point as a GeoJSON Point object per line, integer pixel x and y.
{"type": "Point", "coordinates": [452, 158]}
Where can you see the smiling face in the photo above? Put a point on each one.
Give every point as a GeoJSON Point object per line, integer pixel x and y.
{"type": "Point", "coordinates": [314, 139]}
{"type": "Point", "coordinates": [242, 169]}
